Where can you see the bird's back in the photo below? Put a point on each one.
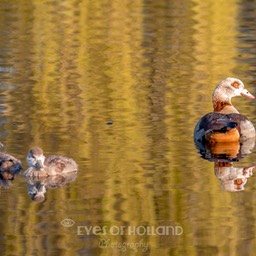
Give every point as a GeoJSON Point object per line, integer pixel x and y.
{"type": "Point", "coordinates": [216, 122]}
{"type": "Point", "coordinates": [56, 164]}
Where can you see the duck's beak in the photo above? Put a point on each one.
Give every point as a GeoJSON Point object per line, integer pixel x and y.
{"type": "Point", "coordinates": [246, 94]}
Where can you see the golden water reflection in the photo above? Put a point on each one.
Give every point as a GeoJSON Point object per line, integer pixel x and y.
{"type": "Point", "coordinates": [119, 86]}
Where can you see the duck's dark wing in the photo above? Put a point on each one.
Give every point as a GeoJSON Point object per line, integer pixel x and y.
{"type": "Point", "coordinates": [218, 121]}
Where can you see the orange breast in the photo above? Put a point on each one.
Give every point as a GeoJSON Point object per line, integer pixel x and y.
{"type": "Point", "coordinates": [228, 136]}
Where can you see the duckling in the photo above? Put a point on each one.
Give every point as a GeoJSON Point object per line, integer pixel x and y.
{"type": "Point", "coordinates": [41, 166]}
{"type": "Point", "coordinates": [9, 166]}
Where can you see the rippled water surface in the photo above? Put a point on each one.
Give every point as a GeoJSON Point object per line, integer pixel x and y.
{"type": "Point", "coordinates": [119, 86]}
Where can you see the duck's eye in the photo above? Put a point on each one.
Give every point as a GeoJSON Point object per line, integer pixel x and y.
{"type": "Point", "coordinates": [238, 181]}
{"type": "Point", "coordinates": [235, 84]}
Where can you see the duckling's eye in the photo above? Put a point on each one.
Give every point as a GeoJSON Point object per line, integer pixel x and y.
{"type": "Point", "coordinates": [32, 156]}
{"type": "Point", "coordinates": [235, 84]}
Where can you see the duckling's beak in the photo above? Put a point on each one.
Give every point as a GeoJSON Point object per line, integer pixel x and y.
{"type": "Point", "coordinates": [39, 164]}
{"type": "Point", "coordinates": [246, 94]}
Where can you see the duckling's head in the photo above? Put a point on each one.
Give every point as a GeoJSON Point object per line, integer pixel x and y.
{"type": "Point", "coordinates": [35, 158]}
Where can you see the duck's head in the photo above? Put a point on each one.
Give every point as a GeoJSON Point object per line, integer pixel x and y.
{"type": "Point", "coordinates": [227, 89]}
{"type": "Point", "coordinates": [35, 158]}
{"type": "Point", "coordinates": [231, 87]}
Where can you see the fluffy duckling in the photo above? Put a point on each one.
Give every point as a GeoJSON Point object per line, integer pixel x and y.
{"type": "Point", "coordinates": [41, 166]}
{"type": "Point", "coordinates": [9, 166]}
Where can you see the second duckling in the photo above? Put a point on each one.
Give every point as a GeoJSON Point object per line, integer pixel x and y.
{"type": "Point", "coordinates": [41, 166]}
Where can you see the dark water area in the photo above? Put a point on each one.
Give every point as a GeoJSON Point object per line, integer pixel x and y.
{"type": "Point", "coordinates": [119, 87]}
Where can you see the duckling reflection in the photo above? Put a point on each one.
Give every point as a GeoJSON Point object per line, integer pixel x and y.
{"type": "Point", "coordinates": [232, 178]}
{"type": "Point", "coordinates": [38, 186]}
{"type": "Point", "coordinates": [41, 166]}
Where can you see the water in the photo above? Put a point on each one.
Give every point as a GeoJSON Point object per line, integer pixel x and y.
{"type": "Point", "coordinates": [119, 87]}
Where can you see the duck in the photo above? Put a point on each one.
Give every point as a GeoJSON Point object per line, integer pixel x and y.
{"type": "Point", "coordinates": [225, 124]}
{"type": "Point", "coordinates": [41, 166]}
{"type": "Point", "coordinates": [9, 166]}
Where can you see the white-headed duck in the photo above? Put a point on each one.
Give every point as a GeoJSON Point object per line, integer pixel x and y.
{"type": "Point", "coordinates": [225, 124]}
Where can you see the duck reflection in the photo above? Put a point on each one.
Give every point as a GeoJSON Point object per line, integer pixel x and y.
{"type": "Point", "coordinates": [232, 178]}
{"type": "Point", "coordinates": [38, 185]}
{"type": "Point", "coordinates": [223, 155]}
{"type": "Point", "coordinates": [232, 151]}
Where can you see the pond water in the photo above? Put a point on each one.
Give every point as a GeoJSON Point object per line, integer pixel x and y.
{"type": "Point", "coordinates": [119, 86]}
